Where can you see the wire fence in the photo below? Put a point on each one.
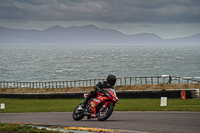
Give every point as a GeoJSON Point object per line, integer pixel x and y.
{"type": "Point", "coordinates": [91, 82]}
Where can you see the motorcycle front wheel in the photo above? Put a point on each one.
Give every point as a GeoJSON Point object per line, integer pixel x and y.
{"type": "Point", "coordinates": [77, 115]}
{"type": "Point", "coordinates": [105, 114]}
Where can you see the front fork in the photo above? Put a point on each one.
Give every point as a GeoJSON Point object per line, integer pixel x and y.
{"type": "Point", "coordinates": [104, 106]}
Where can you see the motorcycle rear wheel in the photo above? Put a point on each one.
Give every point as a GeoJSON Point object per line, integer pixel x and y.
{"type": "Point", "coordinates": [77, 115]}
{"type": "Point", "coordinates": [104, 115]}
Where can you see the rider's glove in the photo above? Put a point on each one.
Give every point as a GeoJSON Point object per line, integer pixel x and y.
{"type": "Point", "coordinates": [105, 92]}
{"type": "Point", "coordinates": [102, 91]}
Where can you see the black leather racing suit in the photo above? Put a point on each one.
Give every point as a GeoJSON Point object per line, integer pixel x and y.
{"type": "Point", "coordinates": [97, 87]}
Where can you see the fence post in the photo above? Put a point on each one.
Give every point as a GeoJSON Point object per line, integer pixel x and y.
{"type": "Point", "coordinates": [135, 80]}
{"type": "Point", "coordinates": [179, 80]}
{"type": "Point", "coordinates": [71, 83]}
{"type": "Point", "coordinates": [170, 79]}
{"type": "Point", "coordinates": [146, 80]}
{"type": "Point", "coordinates": [152, 80]}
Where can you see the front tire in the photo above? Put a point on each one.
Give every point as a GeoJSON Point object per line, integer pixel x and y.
{"type": "Point", "coordinates": [77, 115]}
{"type": "Point", "coordinates": [104, 115]}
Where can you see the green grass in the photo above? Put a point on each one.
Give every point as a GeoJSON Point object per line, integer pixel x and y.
{"type": "Point", "coordinates": [68, 105]}
{"type": "Point", "coordinates": [13, 128]}
{"type": "Point", "coordinates": [39, 105]}
{"type": "Point", "coordinates": [154, 105]}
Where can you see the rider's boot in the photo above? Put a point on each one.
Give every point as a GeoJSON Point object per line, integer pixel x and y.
{"type": "Point", "coordinates": [83, 105]}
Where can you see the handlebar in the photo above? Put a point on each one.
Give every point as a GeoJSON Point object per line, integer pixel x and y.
{"type": "Point", "coordinates": [105, 92]}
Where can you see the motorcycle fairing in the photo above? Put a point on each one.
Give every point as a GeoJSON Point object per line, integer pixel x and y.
{"type": "Point", "coordinates": [99, 99]}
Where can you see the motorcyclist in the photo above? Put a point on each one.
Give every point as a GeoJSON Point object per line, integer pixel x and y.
{"type": "Point", "coordinates": [109, 83]}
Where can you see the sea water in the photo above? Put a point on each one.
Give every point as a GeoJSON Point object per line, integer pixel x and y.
{"type": "Point", "coordinates": [68, 63]}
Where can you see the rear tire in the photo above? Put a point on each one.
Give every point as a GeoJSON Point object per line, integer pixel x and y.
{"type": "Point", "coordinates": [77, 115]}
{"type": "Point", "coordinates": [102, 116]}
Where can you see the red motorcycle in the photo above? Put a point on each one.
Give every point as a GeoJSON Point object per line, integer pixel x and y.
{"type": "Point", "coordinates": [100, 107]}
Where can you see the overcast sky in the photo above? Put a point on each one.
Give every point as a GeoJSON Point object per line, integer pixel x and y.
{"type": "Point", "coordinates": [165, 18]}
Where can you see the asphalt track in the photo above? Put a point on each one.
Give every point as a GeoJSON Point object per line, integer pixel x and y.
{"type": "Point", "coordinates": [139, 121]}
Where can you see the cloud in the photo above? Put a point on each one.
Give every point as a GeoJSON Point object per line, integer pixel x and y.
{"type": "Point", "coordinates": [112, 11]}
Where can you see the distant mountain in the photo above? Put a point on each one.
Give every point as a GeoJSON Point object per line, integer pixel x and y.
{"type": "Point", "coordinates": [190, 40]}
{"type": "Point", "coordinates": [90, 35]}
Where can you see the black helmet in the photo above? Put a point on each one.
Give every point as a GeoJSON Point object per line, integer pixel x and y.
{"type": "Point", "coordinates": [111, 79]}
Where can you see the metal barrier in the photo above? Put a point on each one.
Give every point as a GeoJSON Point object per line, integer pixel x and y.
{"type": "Point", "coordinates": [91, 82]}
